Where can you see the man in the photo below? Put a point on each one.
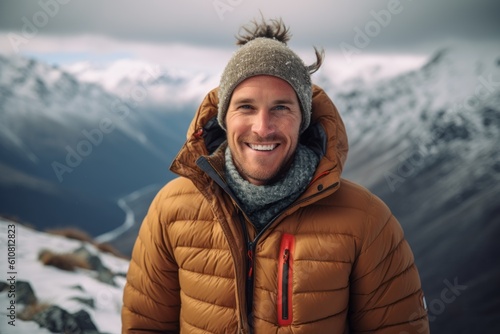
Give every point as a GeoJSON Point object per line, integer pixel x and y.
{"type": "Point", "coordinates": [260, 234]}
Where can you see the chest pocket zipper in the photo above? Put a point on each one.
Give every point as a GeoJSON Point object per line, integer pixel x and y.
{"type": "Point", "coordinates": [285, 280]}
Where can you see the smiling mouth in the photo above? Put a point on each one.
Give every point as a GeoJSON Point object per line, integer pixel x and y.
{"type": "Point", "coordinates": [260, 147]}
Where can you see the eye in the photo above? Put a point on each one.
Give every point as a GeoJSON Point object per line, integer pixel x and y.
{"type": "Point", "coordinates": [281, 107]}
{"type": "Point", "coordinates": [245, 108]}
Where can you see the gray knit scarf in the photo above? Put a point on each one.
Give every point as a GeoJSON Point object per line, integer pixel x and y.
{"type": "Point", "coordinates": [263, 203]}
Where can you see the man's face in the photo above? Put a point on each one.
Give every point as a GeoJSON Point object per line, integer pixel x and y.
{"type": "Point", "coordinates": [263, 122]}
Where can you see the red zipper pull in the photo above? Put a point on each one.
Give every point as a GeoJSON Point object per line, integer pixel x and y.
{"type": "Point", "coordinates": [286, 255]}
{"type": "Point", "coordinates": [250, 270]}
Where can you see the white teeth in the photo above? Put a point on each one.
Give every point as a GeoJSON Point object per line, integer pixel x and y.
{"type": "Point", "coordinates": [262, 147]}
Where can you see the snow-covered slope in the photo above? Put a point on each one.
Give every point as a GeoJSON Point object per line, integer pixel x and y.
{"type": "Point", "coordinates": [71, 291]}
{"type": "Point", "coordinates": [448, 104]}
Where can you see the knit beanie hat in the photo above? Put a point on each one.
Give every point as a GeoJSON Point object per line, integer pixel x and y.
{"type": "Point", "coordinates": [264, 52]}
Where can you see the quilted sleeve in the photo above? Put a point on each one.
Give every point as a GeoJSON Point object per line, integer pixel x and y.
{"type": "Point", "coordinates": [386, 294]}
{"type": "Point", "coordinates": [151, 301]}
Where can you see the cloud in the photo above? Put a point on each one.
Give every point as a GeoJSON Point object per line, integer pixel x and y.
{"type": "Point", "coordinates": [214, 22]}
{"type": "Point", "coordinates": [200, 32]}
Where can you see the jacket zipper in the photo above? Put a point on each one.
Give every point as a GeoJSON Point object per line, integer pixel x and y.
{"type": "Point", "coordinates": [285, 279]}
{"type": "Point", "coordinates": [284, 284]}
{"type": "Point", "coordinates": [249, 283]}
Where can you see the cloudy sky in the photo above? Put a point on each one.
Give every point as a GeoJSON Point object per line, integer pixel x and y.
{"type": "Point", "coordinates": [201, 32]}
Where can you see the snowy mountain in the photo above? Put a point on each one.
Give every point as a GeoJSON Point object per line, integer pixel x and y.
{"type": "Point", "coordinates": [427, 142]}
{"type": "Point", "coordinates": [69, 150]}
{"type": "Point", "coordinates": [436, 127]}
{"type": "Point", "coordinates": [156, 86]}
{"type": "Point", "coordinates": [449, 101]}
{"type": "Point", "coordinates": [69, 301]}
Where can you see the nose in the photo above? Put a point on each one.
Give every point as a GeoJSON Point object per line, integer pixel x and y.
{"type": "Point", "coordinates": [263, 124]}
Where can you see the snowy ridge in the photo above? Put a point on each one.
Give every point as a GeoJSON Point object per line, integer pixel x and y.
{"type": "Point", "coordinates": [41, 95]}
{"type": "Point", "coordinates": [156, 85]}
{"type": "Point", "coordinates": [340, 75]}
{"type": "Point", "coordinates": [447, 105]}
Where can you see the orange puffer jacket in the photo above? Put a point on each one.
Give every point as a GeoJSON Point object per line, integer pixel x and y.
{"type": "Point", "coordinates": [335, 261]}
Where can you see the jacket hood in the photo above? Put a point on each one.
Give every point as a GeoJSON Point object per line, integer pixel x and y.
{"type": "Point", "coordinates": [326, 136]}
